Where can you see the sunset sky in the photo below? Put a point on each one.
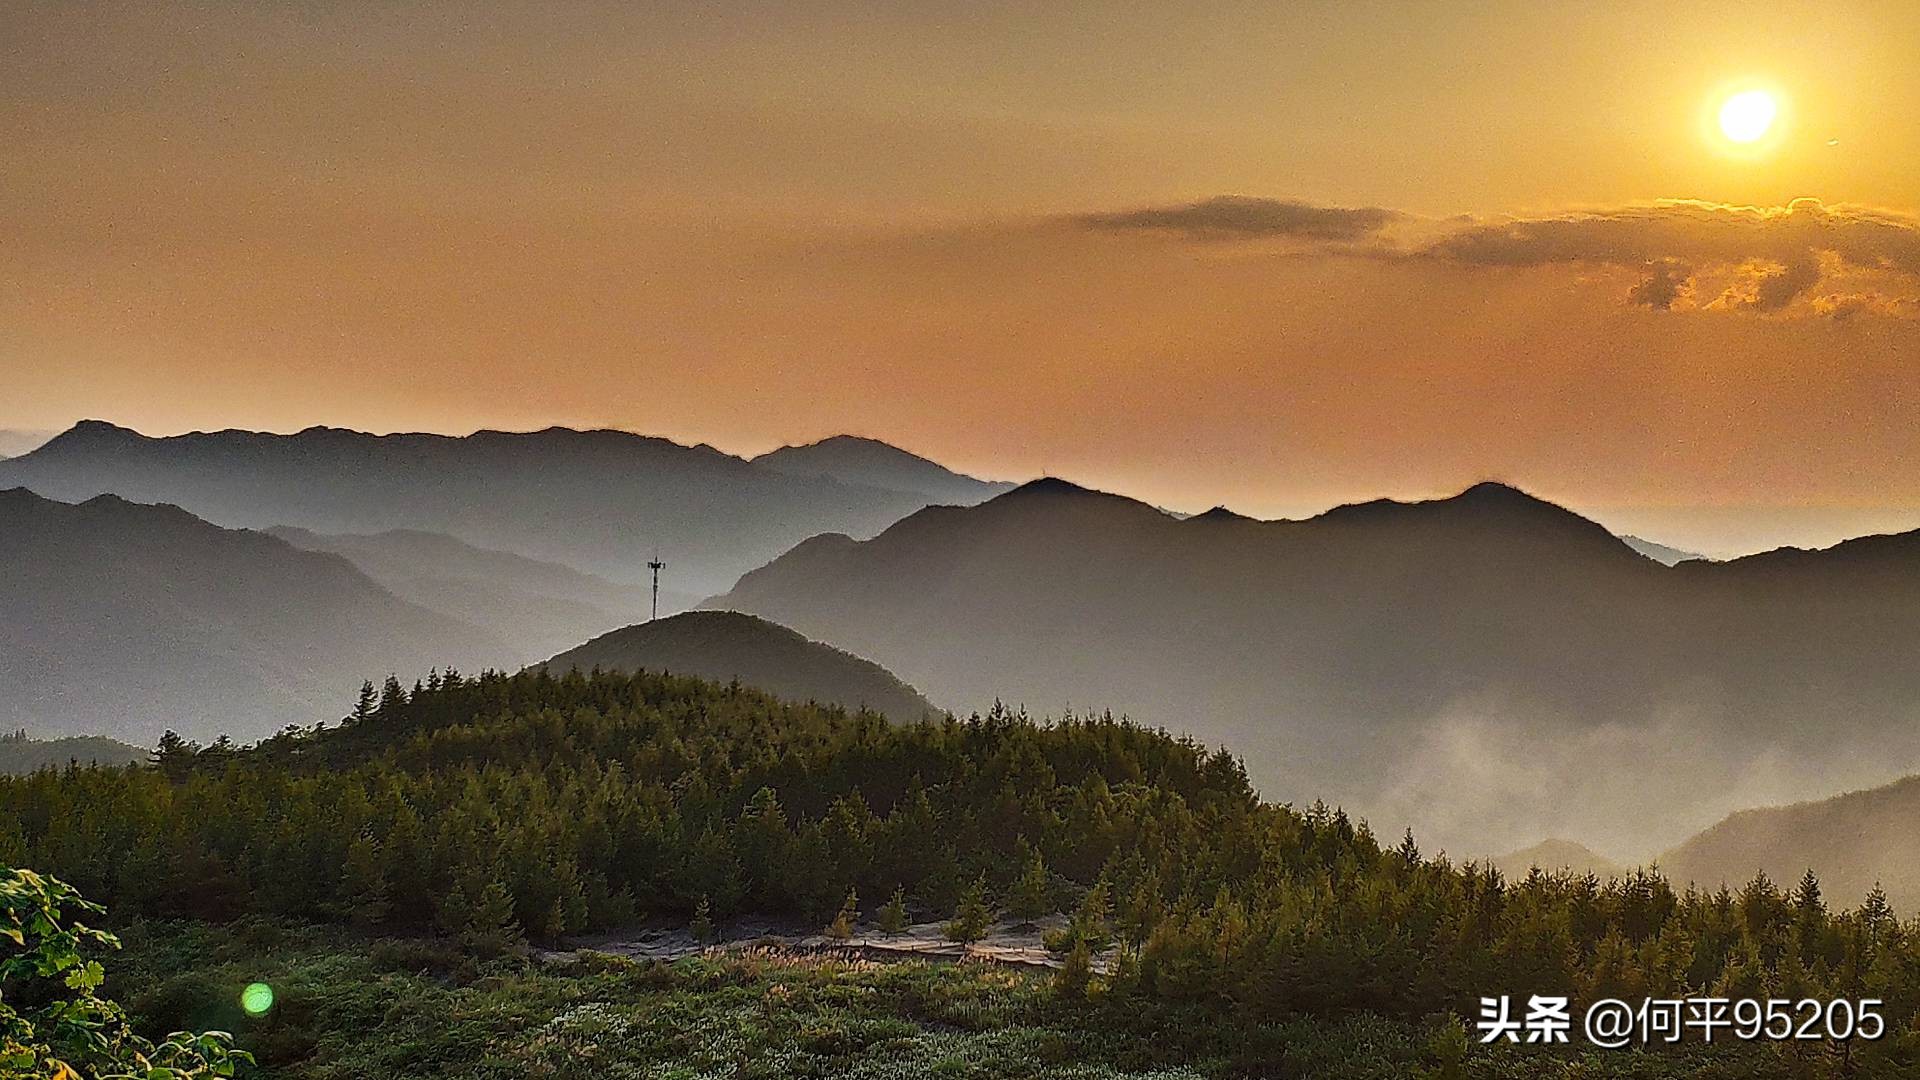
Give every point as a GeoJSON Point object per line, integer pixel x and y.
{"type": "Point", "coordinates": [1276, 256]}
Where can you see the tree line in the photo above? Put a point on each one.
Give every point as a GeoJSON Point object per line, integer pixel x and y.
{"type": "Point", "coordinates": [498, 806]}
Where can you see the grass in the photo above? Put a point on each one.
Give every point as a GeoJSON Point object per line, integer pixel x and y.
{"type": "Point", "coordinates": [348, 1006]}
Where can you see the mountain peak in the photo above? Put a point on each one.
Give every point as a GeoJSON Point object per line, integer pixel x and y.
{"type": "Point", "coordinates": [1494, 489]}
{"type": "Point", "coordinates": [94, 433]}
{"type": "Point", "coordinates": [865, 462]}
{"type": "Point", "coordinates": [720, 645]}
{"type": "Point", "coordinates": [1488, 500]}
{"type": "Point", "coordinates": [857, 441]}
{"type": "Point", "coordinates": [1050, 486]}
{"type": "Point", "coordinates": [1220, 513]}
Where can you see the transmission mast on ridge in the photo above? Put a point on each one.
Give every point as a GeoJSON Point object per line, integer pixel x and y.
{"type": "Point", "coordinates": [656, 566]}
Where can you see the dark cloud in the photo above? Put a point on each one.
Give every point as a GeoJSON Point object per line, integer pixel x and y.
{"type": "Point", "coordinates": [1666, 280]}
{"type": "Point", "coordinates": [1241, 216]}
{"type": "Point", "coordinates": [1775, 289]}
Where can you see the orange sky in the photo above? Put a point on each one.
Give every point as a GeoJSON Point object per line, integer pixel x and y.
{"type": "Point", "coordinates": [986, 234]}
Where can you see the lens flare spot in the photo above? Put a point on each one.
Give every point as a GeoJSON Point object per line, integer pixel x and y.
{"type": "Point", "coordinates": [257, 998]}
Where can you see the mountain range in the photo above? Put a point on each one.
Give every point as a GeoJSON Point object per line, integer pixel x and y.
{"type": "Point", "coordinates": [724, 646]}
{"type": "Point", "coordinates": [1486, 667]}
{"type": "Point", "coordinates": [123, 619]}
{"type": "Point", "coordinates": [603, 502]}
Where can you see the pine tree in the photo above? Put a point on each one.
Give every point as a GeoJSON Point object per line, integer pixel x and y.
{"type": "Point", "coordinates": [1124, 976]}
{"type": "Point", "coordinates": [972, 918]}
{"type": "Point", "coordinates": [174, 756]}
{"type": "Point", "coordinates": [702, 927]}
{"type": "Point", "coordinates": [454, 910]}
{"type": "Point", "coordinates": [841, 928]}
{"type": "Point", "coordinates": [1093, 919]}
{"type": "Point", "coordinates": [408, 868]}
{"type": "Point", "coordinates": [1809, 915]}
{"type": "Point", "coordinates": [893, 917]}
{"type": "Point", "coordinates": [364, 706]}
{"type": "Point", "coordinates": [1408, 851]}
{"type": "Point", "coordinates": [568, 910]}
{"type": "Point", "coordinates": [363, 882]}
{"type": "Point", "coordinates": [1076, 972]}
{"type": "Point", "coordinates": [1032, 894]}
{"type": "Point", "coordinates": [492, 929]}
{"type": "Point", "coordinates": [1144, 909]}
{"type": "Point", "coordinates": [393, 698]}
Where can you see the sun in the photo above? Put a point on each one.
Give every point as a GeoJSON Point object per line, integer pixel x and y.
{"type": "Point", "coordinates": [1747, 116]}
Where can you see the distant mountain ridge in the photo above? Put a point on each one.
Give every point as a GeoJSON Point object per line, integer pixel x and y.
{"type": "Point", "coordinates": [599, 501]}
{"type": "Point", "coordinates": [538, 607]}
{"type": "Point", "coordinates": [124, 619]}
{"type": "Point", "coordinates": [1553, 856]}
{"type": "Point", "coordinates": [726, 645]}
{"type": "Point", "coordinates": [851, 459]}
{"type": "Point", "coordinates": [1659, 553]}
{"type": "Point", "coordinates": [1485, 667]}
{"type": "Point", "coordinates": [20, 754]}
{"type": "Point", "coordinates": [1852, 841]}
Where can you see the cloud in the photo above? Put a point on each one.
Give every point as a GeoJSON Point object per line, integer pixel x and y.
{"type": "Point", "coordinates": [1804, 258]}
{"type": "Point", "coordinates": [1246, 217]}
{"type": "Point", "coordinates": [1773, 258]}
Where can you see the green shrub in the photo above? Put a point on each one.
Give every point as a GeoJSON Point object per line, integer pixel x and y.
{"type": "Point", "coordinates": [67, 1031]}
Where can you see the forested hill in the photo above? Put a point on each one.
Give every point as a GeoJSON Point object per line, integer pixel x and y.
{"type": "Point", "coordinates": [728, 645]}
{"type": "Point", "coordinates": [500, 804]}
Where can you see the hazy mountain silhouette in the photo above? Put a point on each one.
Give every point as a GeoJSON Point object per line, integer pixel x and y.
{"type": "Point", "coordinates": [1556, 855]}
{"type": "Point", "coordinates": [20, 754]}
{"type": "Point", "coordinates": [851, 459]}
{"type": "Point", "coordinates": [600, 501]}
{"type": "Point", "coordinates": [1852, 841]}
{"type": "Point", "coordinates": [1488, 667]}
{"type": "Point", "coordinates": [125, 619]}
{"type": "Point", "coordinates": [727, 645]}
{"type": "Point", "coordinates": [1659, 553]}
{"type": "Point", "coordinates": [538, 607]}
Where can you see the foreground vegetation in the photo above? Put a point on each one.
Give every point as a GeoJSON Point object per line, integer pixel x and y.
{"type": "Point", "coordinates": [485, 811]}
{"type": "Point", "coordinates": [54, 1022]}
{"type": "Point", "coordinates": [349, 1007]}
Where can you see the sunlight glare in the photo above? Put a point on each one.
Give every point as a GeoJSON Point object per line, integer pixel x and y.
{"type": "Point", "coordinates": [1748, 116]}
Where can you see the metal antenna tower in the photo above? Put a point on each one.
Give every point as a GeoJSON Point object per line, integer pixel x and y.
{"type": "Point", "coordinates": [656, 566]}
